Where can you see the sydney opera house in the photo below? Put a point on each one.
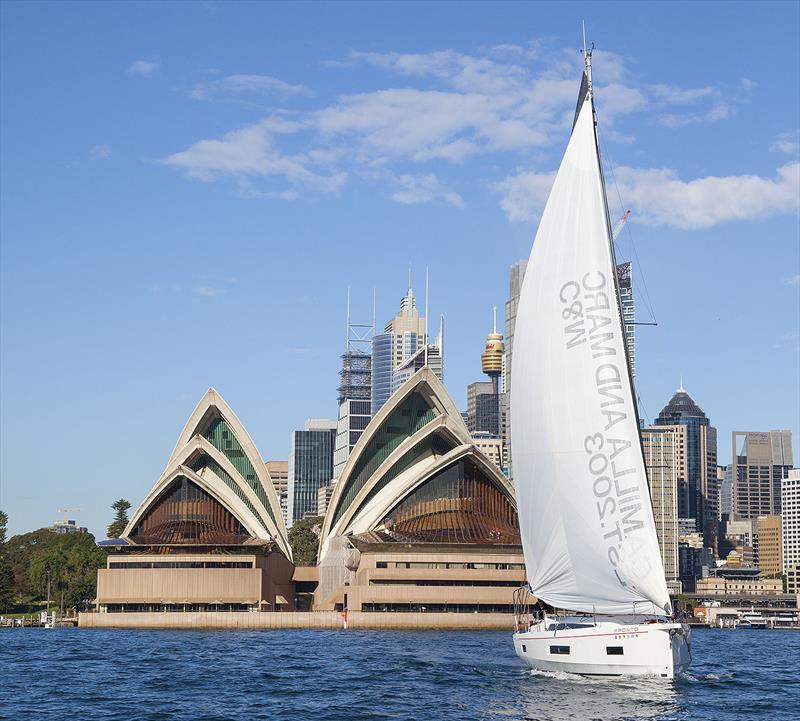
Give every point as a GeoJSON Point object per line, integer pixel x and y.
{"type": "Point", "coordinates": [209, 536]}
{"type": "Point", "coordinates": [419, 520]}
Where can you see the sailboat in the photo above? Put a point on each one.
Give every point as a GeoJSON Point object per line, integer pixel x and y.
{"type": "Point", "coordinates": [585, 515]}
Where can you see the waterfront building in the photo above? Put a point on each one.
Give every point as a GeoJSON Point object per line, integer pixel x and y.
{"type": "Point", "coordinates": [310, 466]}
{"type": "Point", "coordinates": [279, 473]}
{"type": "Point", "coordinates": [790, 504]}
{"type": "Point", "coordinates": [419, 517]}
{"type": "Point", "coordinates": [209, 535]}
{"type": "Point", "coordinates": [698, 495]}
{"type": "Point", "coordinates": [686, 525]}
{"type": "Point", "coordinates": [625, 285]}
{"type": "Point", "coordinates": [402, 337]}
{"type": "Point", "coordinates": [759, 465]}
{"type": "Point", "coordinates": [63, 526]}
{"type": "Point", "coordinates": [694, 562]}
{"type": "Point", "coordinates": [717, 586]}
{"type": "Point", "coordinates": [767, 550]}
{"type": "Point", "coordinates": [665, 462]}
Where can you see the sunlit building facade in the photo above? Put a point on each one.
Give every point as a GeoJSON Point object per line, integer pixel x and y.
{"type": "Point", "coordinates": [419, 518]}
{"type": "Point", "coordinates": [209, 536]}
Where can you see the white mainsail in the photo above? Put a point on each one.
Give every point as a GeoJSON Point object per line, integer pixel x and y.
{"type": "Point", "coordinates": [584, 507]}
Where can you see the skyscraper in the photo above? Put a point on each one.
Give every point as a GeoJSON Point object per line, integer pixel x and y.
{"type": "Point", "coordinates": [355, 390]}
{"type": "Point", "coordinates": [624, 279]}
{"type": "Point", "coordinates": [757, 470]}
{"type": "Point", "coordinates": [397, 348]}
{"type": "Point", "coordinates": [665, 461]}
{"type": "Point", "coordinates": [516, 276]}
{"type": "Point", "coordinates": [698, 494]}
{"type": "Point", "coordinates": [790, 502]}
{"type": "Point", "coordinates": [310, 466]}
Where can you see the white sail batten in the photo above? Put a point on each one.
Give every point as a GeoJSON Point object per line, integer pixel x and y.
{"type": "Point", "coordinates": [584, 507]}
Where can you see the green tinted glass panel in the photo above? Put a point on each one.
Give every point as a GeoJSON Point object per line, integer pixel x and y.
{"type": "Point", "coordinates": [223, 439]}
{"type": "Point", "coordinates": [436, 444]}
{"type": "Point", "coordinates": [405, 420]}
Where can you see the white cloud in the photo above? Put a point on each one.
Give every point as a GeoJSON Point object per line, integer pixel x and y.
{"type": "Point", "coordinates": [660, 197]}
{"type": "Point", "coordinates": [100, 152]}
{"type": "Point", "coordinates": [788, 143]}
{"type": "Point", "coordinates": [524, 194]}
{"type": "Point", "coordinates": [144, 67]}
{"type": "Point", "coordinates": [416, 189]}
{"type": "Point", "coordinates": [793, 280]}
{"type": "Point", "coordinates": [247, 84]}
{"type": "Point", "coordinates": [250, 152]}
{"type": "Point", "coordinates": [448, 107]}
{"type": "Point", "coordinates": [207, 291]}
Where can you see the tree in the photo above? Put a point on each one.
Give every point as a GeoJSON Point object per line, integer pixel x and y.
{"type": "Point", "coordinates": [120, 519]}
{"type": "Point", "coordinates": [7, 592]}
{"type": "Point", "coordinates": [71, 558]}
{"type": "Point", "coordinates": [304, 540]}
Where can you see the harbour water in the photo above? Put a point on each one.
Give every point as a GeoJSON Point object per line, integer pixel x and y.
{"type": "Point", "coordinates": [335, 675]}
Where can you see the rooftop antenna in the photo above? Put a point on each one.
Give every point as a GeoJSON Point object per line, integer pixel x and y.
{"type": "Point", "coordinates": [347, 328]}
{"type": "Point", "coordinates": [494, 319]}
{"type": "Point", "coordinates": [374, 304]}
{"type": "Point", "coordinates": [681, 389]}
{"type": "Point", "coordinates": [426, 315]}
{"type": "Point", "coordinates": [409, 276]}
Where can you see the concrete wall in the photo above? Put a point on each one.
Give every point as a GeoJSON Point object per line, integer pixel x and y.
{"type": "Point", "coordinates": [311, 619]}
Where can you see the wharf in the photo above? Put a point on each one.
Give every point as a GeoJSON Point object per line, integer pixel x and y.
{"type": "Point", "coordinates": [301, 619]}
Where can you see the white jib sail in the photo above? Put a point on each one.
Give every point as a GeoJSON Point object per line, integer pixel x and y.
{"type": "Point", "coordinates": [584, 507]}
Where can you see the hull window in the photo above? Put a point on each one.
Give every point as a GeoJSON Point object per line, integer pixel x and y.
{"type": "Point", "coordinates": [614, 650]}
{"type": "Point", "coordinates": [560, 650]}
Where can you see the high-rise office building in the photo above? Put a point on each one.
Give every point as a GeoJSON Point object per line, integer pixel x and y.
{"type": "Point", "coordinates": [279, 474]}
{"type": "Point", "coordinates": [790, 518]}
{"type": "Point", "coordinates": [625, 282]}
{"type": "Point", "coordinates": [310, 466]}
{"type": "Point", "coordinates": [399, 351]}
{"type": "Point", "coordinates": [759, 465]}
{"type": "Point", "coordinates": [665, 461]}
{"type": "Point", "coordinates": [725, 492]}
{"type": "Point", "coordinates": [767, 551]}
{"type": "Point", "coordinates": [515, 278]}
{"type": "Point", "coordinates": [698, 494]}
{"type": "Point", "coordinates": [355, 390]}
{"type": "Point", "coordinates": [431, 356]}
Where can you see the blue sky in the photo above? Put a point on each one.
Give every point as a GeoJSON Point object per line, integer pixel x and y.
{"type": "Point", "coordinates": [189, 189]}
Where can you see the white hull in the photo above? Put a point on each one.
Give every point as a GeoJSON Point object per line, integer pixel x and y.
{"type": "Point", "coordinates": [607, 648]}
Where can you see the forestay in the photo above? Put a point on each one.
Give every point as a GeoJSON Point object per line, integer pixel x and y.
{"type": "Point", "coordinates": [584, 507]}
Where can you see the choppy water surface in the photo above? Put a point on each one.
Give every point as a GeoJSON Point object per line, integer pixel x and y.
{"type": "Point", "coordinates": [332, 675]}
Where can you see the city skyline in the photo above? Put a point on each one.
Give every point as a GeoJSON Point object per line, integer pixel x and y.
{"type": "Point", "coordinates": [123, 279]}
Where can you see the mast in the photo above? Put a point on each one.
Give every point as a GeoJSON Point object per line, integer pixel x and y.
{"type": "Point", "coordinates": [587, 59]}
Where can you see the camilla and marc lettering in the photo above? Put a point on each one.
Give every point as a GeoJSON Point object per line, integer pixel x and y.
{"type": "Point", "coordinates": [588, 316]}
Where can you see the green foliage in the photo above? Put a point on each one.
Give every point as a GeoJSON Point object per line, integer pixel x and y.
{"type": "Point", "coordinates": [71, 558]}
{"type": "Point", "coordinates": [684, 603]}
{"type": "Point", "coordinates": [304, 540]}
{"type": "Point", "coordinates": [7, 593]}
{"type": "Point", "coordinates": [116, 528]}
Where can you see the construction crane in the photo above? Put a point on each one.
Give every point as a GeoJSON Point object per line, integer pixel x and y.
{"type": "Point", "coordinates": [67, 511]}
{"type": "Point", "coordinates": [618, 225]}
